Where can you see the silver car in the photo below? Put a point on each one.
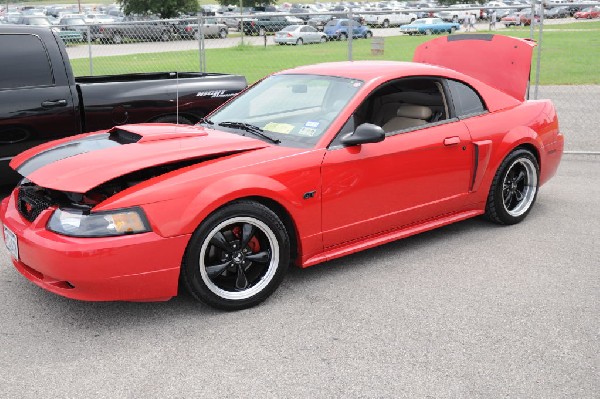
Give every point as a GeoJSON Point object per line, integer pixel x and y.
{"type": "Point", "coordinates": [299, 34]}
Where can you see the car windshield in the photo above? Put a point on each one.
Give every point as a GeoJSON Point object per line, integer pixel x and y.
{"type": "Point", "coordinates": [291, 108]}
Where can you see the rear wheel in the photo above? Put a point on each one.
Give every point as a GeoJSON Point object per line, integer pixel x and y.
{"type": "Point", "coordinates": [343, 36]}
{"type": "Point", "coordinates": [452, 30]}
{"type": "Point", "coordinates": [386, 23]}
{"type": "Point", "coordinates": [237, 257]}
{"type": "Point", "coordinates": [428, 32]}
{"type": "Point", "coordinates": [299, 42]}
{"type": "Point", "coordinates": [368, 34]}
{"type": "Point", "coordinates": [323, 39]}
{"type": "Point", "coordinates": [222, 34]}
{"type": "Point", "coordinates": [514, 188]}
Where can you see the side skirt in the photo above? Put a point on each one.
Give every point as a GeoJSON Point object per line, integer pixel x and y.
{"type": "Point", "coordinates": [384, 238]}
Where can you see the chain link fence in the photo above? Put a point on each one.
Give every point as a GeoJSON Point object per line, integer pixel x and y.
{"type": "Point", "coordinates": [257, 45]}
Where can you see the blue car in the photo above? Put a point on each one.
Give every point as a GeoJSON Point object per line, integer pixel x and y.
{"type": "Point", "coordinates": [337, 29]}
{"type": "Point", "coordinates": [428, 26]}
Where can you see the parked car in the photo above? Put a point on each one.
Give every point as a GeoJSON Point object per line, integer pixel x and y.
{"type": "Point", "coordinates": [299, 35]}
{"type": "Point", "coordinates": [319, 21]}
{"type": "Point", "coordinates": [76, 24]}
{"type": "Point", "coordinates": [428, 26]}
{"type": "Point", "coordinates": [99, 18]}
{"type": "Point", "coordinates": [210, 28]}
{"type": "Point", "coordinates": [339, 29]}
{"type": "Point", "coordinates": [557, 12]}
{"type": "Point", "coordinates": [118, 32]}
{"type": "Point", "coordinates": [389, 18]}
{"type": "Point", "coordinates": [308, 165]}
{"type": "Point", "coordinates": [40, 100]}
{"type": "Point", "coordinates": [588, 13]}
{"type": "Point", "coordinates": [264, 23]}
{"type": "Point", "coordinates": [67, 35]}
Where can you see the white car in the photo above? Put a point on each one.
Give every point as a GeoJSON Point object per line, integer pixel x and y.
{"type": "Point", "coordinates": [389, 18]}
{"type": "Point", "coordinates": [299, 35]}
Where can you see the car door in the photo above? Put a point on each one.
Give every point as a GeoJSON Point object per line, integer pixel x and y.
{"type": "Point", "coordinates": [412, 176]}
{"type": "Point", "coordinates": [35, 105]}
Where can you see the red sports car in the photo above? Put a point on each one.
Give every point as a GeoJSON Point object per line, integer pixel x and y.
{"type": "Point", "coordinates": [308, 165]}
{"type": "Point", "coordinates": [588, 13]}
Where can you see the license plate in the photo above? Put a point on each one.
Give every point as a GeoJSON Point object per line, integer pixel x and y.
{"type": "Point", "coordinates": [12, 244]}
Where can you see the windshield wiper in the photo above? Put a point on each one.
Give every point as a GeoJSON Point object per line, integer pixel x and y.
{"type": "Point", "coordinates": [206, 121]}
{"type": "Point", "coordinates": [255, 130]}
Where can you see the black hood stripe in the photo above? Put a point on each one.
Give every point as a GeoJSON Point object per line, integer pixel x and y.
{"type": "Point", "coordinates": [66, 150]}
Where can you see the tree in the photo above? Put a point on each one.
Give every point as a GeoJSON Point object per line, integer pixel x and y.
{"type": "Point", "coordinates": [247, 3]}
{"type": "Point", "coordinates": [162, 8]}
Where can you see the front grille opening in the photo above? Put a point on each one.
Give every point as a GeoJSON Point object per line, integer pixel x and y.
{"type": "Point", "coordinates": [31, 201]}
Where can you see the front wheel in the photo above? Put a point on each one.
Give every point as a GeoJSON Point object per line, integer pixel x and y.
{"type": "Point", "coordinates": [452, 30]}
{"type": "Point", "coordinates": [222, 34]}
{"type": "Point", "coordinates": [514, 188]}
{"type": "Point", "coordinates": [323, 39]}
{"type": "Point", "coordinates": [237, 257]}
{"type": "Point", "coordinates": [368, 34]}
{"type": "Point", "coordinates": [343, 36]}
{"type": "Point", "coordinates": [428, 32]}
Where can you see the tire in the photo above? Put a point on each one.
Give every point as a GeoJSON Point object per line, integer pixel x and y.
{"type": "Point", "coordinates": [117, 38]}
{"type": "Point", "coordinates": [165, 36]}
{"type": "Point", "coordinates": [299, 42]}
{"type": "Point", "coordinates": [386, 23]}
{"type": "Point", "coordinates": [428, 32]}
{"type": "Point", "coordinates": [452, 30]}
{"type": "Point", "coordinates": [323, 39]}
{"type": "Point", "coordinates": [237, 257]}
{"type": "Point", "coordinates": [222, 34]}
{"type": "Point", "coordinates": [343, 36]}
{"type": "Point", "coordinates": [368, 34]}
{"type": "Point", "coordinates": [514, 188]}
{"type": "Point", "coordinates": [182, 120]}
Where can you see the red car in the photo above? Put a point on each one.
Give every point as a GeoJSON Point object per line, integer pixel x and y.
{"type": "Point", "coordinates": [588, 13]}
{"type": "Point", "coordinates": [308, 165]}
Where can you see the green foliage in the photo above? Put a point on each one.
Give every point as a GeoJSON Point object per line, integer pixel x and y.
{"type": "Point", "coordinates": [162, 8]}
{"type": "Point", "coordinates": [247, 3]}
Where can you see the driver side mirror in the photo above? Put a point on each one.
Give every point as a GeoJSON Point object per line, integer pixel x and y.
{"type": "Point", "coordinates": [365, 133]}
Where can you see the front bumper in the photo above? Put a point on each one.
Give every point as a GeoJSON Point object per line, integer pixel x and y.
{"type": "Point", "coordinates": [141, 267]}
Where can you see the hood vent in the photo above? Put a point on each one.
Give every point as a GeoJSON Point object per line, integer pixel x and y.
{"type": "Point", "coordinates": [123, 136]}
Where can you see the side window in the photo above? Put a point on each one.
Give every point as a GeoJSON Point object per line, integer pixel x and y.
{"type": "Point", "coordinates": [27, 65]}
{"type": "Point", "coordinates": [466, 101]}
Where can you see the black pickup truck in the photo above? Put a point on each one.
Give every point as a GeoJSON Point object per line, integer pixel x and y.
{"type": "Point", "coordinates": [41, 100]}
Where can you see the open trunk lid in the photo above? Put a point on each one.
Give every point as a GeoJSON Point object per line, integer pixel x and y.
{"type": "Point", "coordinates": [502, 62]}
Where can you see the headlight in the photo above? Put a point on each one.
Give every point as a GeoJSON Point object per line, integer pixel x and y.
{"type": "Point", "coordinates": [73, 222]}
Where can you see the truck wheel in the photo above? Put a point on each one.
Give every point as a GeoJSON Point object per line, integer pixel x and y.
{"type": "Point", "coordinates": [181, 120]}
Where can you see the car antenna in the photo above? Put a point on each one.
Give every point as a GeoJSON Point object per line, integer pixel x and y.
{"type": "Point", "coordinates": [177, 97]}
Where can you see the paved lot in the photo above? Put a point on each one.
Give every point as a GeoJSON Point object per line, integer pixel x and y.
{"type": "Point", "coordinates": [470, 310]}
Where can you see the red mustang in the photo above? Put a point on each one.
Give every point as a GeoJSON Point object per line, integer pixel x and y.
{"type": "Point", "coordinates": [308, 165]}
{"type": "Point", "coordinates": [588, 13]}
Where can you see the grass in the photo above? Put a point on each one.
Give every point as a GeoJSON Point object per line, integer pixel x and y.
{"type": "Point", "coordinates": [570, 56]}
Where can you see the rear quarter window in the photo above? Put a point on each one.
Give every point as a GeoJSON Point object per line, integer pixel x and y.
{"type": "Point", "coordinates": [466, 101]}
{"type": "Point", "coordinates": [24, 62]}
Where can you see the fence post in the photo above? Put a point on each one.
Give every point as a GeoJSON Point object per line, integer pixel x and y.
{"type": "Point", "coordinates": [350, 33]}
{"type": "Point", "coordinates": [89, 40]}
{"type": "Point", "coordinates": [201, 49]}
{"type": "Point", "coordinates": [539, 54]}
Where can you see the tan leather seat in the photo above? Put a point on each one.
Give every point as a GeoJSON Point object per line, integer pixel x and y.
{"type": "Point", "coordinates": [407, 116]}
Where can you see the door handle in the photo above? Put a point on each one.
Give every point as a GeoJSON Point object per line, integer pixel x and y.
{"type": "Point", "coordinates": [452, 140]}
{"type": "Point", "coordinates": [54, 103]}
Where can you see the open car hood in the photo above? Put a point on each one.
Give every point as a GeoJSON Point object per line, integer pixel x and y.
{"type": "Point", "coordinates": [78, 164]}
{"type": "Point", "coordinates": [502, 62]}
